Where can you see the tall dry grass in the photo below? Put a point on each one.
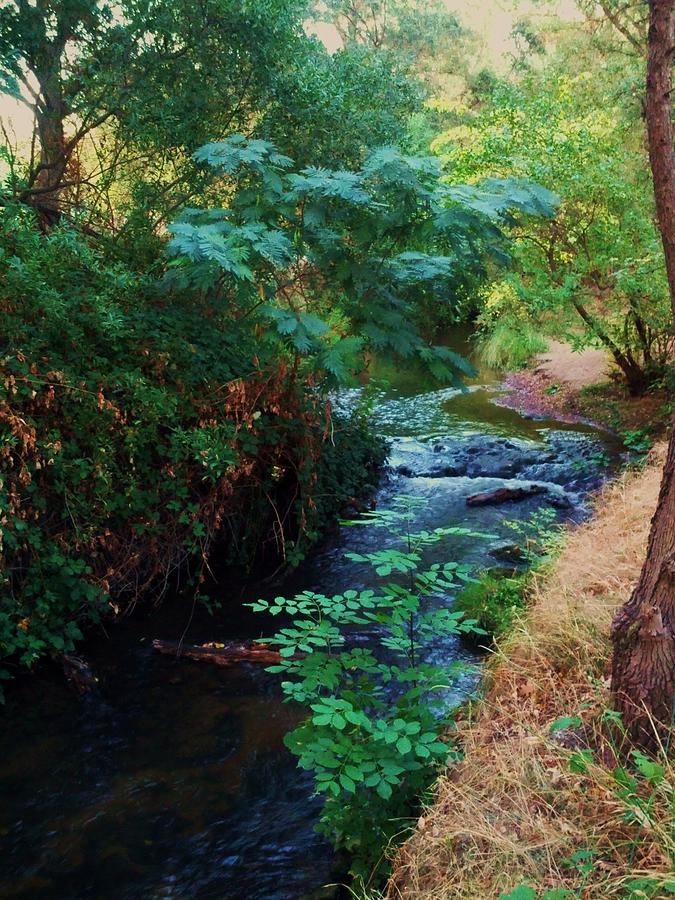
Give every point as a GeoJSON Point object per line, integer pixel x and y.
{"type": "Point", "coordinates": [527, 805]}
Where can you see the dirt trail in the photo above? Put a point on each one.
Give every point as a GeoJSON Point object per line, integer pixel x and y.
{"type": "Point", "coordinates": [550, 386]}
{"type": "Point", "coordinates": [563, 365]}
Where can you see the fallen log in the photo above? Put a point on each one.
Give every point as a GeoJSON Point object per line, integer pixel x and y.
{"type": "Point", "coordinates": [505, 495]}
{"type": "Point", "coordinates": [228, 653]}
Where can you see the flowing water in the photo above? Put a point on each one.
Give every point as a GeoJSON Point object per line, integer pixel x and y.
{"type": "Point", "coordinates": [171, 779]}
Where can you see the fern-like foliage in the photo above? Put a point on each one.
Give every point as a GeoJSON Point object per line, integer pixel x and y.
{"type": "Point", "coordinates": [337, 262]}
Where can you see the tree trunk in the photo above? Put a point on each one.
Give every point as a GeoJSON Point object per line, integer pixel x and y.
{"type": "Point", "coordinates": [637, 381]}
{"type": "Point", "coordinates": [643, 670]}
{"type": "Point", "coordinates": [45, 186]}
{"type": "Point", "coordinates": [228, 653]}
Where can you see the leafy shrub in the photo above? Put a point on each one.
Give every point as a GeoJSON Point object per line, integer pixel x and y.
{"type": "Point", "coordinates": [142, 420]}
{"type": "Point", "coordinates": [137, 429]}
{"type": "Point", "coordinates": [638, 442]}
{"type": "Point", "coordinates": [494, 601]}
{"type": "Point", "coordinates": [377, 729]}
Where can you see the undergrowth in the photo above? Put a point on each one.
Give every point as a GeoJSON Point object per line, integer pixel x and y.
{"type": "Point", "coordinates": [494, 601]}
{"type": "Point", "coordinates": [497, 598]}
{"type": "Point", "coordinates": [138, 431]}
{"type": "Point", "coordinates": [380, 711]}
{"type": "Point", "coordinates": [509, 343]}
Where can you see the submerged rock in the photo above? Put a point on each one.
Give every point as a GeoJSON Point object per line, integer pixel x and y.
{"type": "Point", "coordinates": [509, 553]}
{"type": "Point", "coordinates": [568, 463]}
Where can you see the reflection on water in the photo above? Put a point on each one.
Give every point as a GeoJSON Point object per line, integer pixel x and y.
{"type": "Point", "coordinates": [172, 780]}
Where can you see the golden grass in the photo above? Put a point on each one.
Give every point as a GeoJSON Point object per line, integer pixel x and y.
{"type": "Point", "coordinates": [513, 812]}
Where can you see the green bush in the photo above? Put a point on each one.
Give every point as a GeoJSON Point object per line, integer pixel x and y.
{"type": "Point", "coordinates": [378, 720]}
{"type": "Point", "coordinates": [510, 344]}
{"type": "Point", "coordinates": [494, 601]}
{"type": "Point", "coordinates": [139, 428]}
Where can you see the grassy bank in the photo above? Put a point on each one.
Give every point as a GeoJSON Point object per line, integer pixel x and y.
{"type": "Point", "coordinates": [543, 804]}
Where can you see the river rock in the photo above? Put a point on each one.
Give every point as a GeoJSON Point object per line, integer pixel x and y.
{"type": "Point", "coordinates": [570, 460]}
{"type": "Point", "coordinates": [509, 553]}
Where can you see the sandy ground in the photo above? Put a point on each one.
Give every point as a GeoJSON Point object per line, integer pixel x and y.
{"type": "Point", "coordinates": [553, 387]}
{"type": "Point", "coordinates": [550, 386]}
{"type": "Point", "coordinates": [562, 365]}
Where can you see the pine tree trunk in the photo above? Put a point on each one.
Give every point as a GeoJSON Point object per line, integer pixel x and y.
{"type": "Point", "coordinates": [643, 671]}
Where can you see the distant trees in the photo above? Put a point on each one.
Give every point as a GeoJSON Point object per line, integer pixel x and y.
{"type": "Point", "coordinates": [422, 34]}
{"type": "Point", "coordinates": [123, 93]}
{"type": "Point", "coordinates": [595, 270]}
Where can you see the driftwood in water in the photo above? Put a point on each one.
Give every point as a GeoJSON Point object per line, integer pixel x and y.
{"type": "Point", "coordinates": [78, 674]}
{"type": "Point", "coordinates": [505, 495]}
{"type": "Point", "coordinates": [228, 653]}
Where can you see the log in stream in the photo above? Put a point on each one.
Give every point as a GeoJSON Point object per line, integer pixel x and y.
{"type": "Point", "coordinates": [228, 653]}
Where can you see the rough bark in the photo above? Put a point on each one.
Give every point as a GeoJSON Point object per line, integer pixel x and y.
{"type": "Point", "coordinates": [46, 183]}
{"type": "Point", "coordinates": [643, 671]}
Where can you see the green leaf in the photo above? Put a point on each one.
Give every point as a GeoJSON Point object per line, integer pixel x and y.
{"type": "Point", "coordinates": [580, 761]}
{"type": "Point", "coordinates": [649, 769]}
{"type": "Point", "coordinates": [565, 722]}
{"type": "Point", "coordinates": [347, 783]}
{"type": "Point", "coordinates": [403, 745]}
{"type": "Point", "coordinates": [384, 790]}
{"type": "Point", "coordinates": [522, 892]}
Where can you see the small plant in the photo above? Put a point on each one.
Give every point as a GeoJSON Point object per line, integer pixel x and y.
{"type": "Point", "coordinates": [525, 892]}
{"type": "Point", "coordinates": [638, 442]}
{"type": "Point", "coordinates": [379, 720]}
{"type": "Point", "coordinates": [494, 601]}
{"type": "Point", "coordinates": [598, 460]}
{"type": "Point", "coordinates": [539, 535]}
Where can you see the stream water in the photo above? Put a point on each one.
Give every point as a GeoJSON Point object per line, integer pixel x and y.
{"type": "Point", "coordinates": [171, 779]}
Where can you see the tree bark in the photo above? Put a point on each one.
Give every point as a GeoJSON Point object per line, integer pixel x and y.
{"type": "Point", "coordinates": [643, 668]}
{"type": "Point", "coordinates": [47, 187]}
{"type": "Point", "coordinates": [636, 377]}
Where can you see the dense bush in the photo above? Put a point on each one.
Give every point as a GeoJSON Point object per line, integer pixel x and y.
{"type": "Point", "coordinates": [139, 429]}
{"type": "Point", "coordinates": [494, 601]}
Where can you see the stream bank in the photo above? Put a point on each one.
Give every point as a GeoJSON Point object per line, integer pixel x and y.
{"type": "Point", "coordinates": [581, 386]}
{"type": "Point", "coordinates": [539, 784]}
{"type": "Point", "coordinates": [171, 779]}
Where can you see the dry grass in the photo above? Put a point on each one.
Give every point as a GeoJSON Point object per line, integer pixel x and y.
{"type": "Point", "coordinates": [513, 812]}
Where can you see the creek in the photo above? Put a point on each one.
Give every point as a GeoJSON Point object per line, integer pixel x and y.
{"type": "Point", "coordinates": [171, 780]}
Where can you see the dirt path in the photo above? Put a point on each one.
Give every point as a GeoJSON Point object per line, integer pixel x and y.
{"type": "Point", "coordinates": [550, 387]}
{"type": "Point", "coordinates": [562, 365]}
